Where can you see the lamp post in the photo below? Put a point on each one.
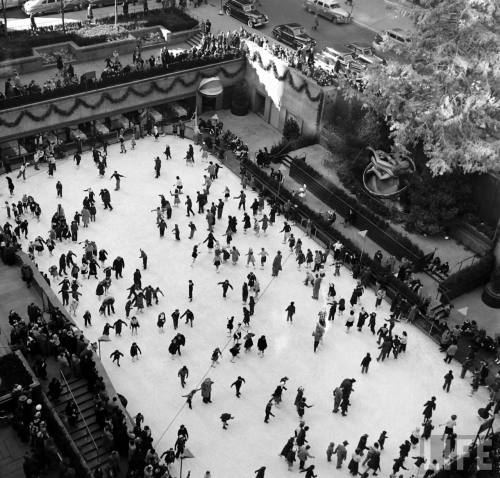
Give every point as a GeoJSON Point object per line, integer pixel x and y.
{"type": "Point", "coordinates": [116, 12]}
{"type": "Point", "coordinates": [62, 15]}
{"type": "Point", "coordinates": [221, 11]}
{"type": "Point", "coordinates": [4, 17]}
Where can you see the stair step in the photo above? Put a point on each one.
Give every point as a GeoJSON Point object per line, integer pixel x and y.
{"type": "Point", "coordinates": [93, 464]}
{"type": "Point", "coordinates": [95, 455]}
{"type": "Point", "coordinates": [81, 425]}
{"type": "Point", "coordinates": [84, 404]}
{"type": "Point", "coordinates": [78, 434]}
{"type": "Point", "coordinates": [88, 446]}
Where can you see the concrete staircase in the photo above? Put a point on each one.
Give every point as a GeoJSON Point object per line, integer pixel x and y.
{"type": "Point", "coordinates": [195, 40]}
{"type": "Point", "coordinates": [86, 434]}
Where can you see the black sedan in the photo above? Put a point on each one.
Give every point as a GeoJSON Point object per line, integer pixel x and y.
{"type": "Point", "coordinates": [294, 35]}
{"type": "Point", "coordinates": [245, 11]}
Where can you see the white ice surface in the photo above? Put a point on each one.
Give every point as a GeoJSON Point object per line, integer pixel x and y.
{"type": "Point", "coordinates": [389, 398]}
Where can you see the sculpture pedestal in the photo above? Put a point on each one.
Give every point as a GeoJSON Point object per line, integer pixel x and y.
{"type": "Point", "coordinates": [490, 296]}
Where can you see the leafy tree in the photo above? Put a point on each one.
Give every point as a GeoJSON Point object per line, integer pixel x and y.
{"type": "Point", "coordinates": [443, 88]}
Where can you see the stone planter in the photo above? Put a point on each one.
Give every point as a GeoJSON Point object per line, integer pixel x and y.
{"type": "Point", "coordinates": [159, 36]}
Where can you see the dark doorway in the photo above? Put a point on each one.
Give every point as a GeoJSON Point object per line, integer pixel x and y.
{"type": "Point", "coordinates": [260, 104]}
{"type": "Point", "coordinates": [208, 103]}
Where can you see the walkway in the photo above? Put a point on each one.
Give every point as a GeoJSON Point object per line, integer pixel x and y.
{"type": "Point", "coordinates": [14, 295]}
{"type": "Point", "coordinates": [12, 451]}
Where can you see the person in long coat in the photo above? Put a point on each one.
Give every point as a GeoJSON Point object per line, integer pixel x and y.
{"type": "Point", "coordinates": [354, 463]}
{"type": "Point", "coordinates": [316, 287]}
{"type": "Point", "coordinates": [206, 390]}
{"type": "Point", "coordinates": [277, 264]}
{"type": "Point", "coordinates": [288, 447]}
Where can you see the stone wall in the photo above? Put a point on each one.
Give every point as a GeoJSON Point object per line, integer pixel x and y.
{"type": "Point", "coordinates": [286, 92]}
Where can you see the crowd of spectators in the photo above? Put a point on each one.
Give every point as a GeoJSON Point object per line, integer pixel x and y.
{"type": "Point", "coordinates": [55, 338]}
{"type": "Point", "coordinates": [304, 60]}
{"type": "Point", "coordinates": [213, 48]}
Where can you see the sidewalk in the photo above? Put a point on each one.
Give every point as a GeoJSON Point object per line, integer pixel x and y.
{"type": "Point", "coordinates": [378, 15]}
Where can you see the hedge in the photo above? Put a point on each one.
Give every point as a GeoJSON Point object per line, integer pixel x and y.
{"type": "Point", "coordinates": [468, 278]}
{"type": "Point", "coordinates": [356, 206]}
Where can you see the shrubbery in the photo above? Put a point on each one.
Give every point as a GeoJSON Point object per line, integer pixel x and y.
{"type": "Point", "coordinates": [355, 205]}
{"type": "Point", "coordinates": [469, 278]}
{"type": "Point", "coordinates": [432, 204]}
{"type": "Point", "coordinates": [21, 43]}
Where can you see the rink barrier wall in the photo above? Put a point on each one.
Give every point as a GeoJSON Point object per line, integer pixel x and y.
{"type": "Point", "coordinates": [50, 302]}
{"type": "Point", "coordinates": [116, 96]}
{"type": "Point", "coordinates": [327, 235]}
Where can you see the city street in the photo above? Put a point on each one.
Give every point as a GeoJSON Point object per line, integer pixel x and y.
{"type": "Point", "coordinates": [369, 16]}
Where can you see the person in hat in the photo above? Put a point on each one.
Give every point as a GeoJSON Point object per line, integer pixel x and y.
{"type": "Point", "coordinates": [341, 452]}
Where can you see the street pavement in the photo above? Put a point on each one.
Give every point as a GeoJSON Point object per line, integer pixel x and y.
{"type": "Point", "coordinates": [370, 16]}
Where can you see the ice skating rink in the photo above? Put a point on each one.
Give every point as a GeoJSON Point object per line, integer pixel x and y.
{"type": "Point", "coordinates": [390, 397]}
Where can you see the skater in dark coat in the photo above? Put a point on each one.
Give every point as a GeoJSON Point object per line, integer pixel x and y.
{"type": "Point", "coordinates": [248, 344]}
{"type": "Point", "coordinates": [290, 311]}
{"type": "Point", "coordinates": [429, 408]}
{"type": "Point", "coordinates": [225, 417]}
{"type": "Point", "coordinates": [237, 384]}
{"type": "Point", "coordinates": [288, 447]}
{"type": "Point", "coordinates": [309, 472]}
{"type": "Point", "coordinates": [260, 473]}
{"type": "Point", "coordinates": [365, 363]}
{"type": "Point", "coordinates": [262, 345]}
{"type": "Point", "coordinates": [135, 351]}
{"type": "Point", "coordinates": [225, 286]}
{"type": "Point", "coordinates": [448, 378]}
{"type": "Point", "coordinates": [116, 356]}
{"type": "Point", "coordinates": [381, 439]}
{"type": "Point", "coordinates": [363, 315]}
{"type": "Point", "coordinates": [428, 427]}
{"type": "Point", "coordinates": [276, 267]}
{"type": "Point", "coordinates": [268, 411]}
{"type": "Point", "coordinates": [353, 465]}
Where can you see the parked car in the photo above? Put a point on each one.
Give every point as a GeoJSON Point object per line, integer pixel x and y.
{"type": "Point", "coordinates": [12, 4]}
{"type": "Point", "coordinates": [329, 9]}
{"type": "Point", "coordinates": [101, 3]}
{"type": "Point", "coordinates": [293, 34]}
{"type": "Point", "coordinates": [42, 7]}
{"type": "Point", "coordinates": [245, 11]}
{"type": "Point", "coordinates": [397, 36]}
{"type": "Point", "coordinates": [364, 53]}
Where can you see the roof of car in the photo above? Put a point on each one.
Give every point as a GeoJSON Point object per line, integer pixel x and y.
{"type": "Point", "coordinates": [358, 45]}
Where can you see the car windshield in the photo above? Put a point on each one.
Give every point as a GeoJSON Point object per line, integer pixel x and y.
{"type": "Point", "coordinates": [334, 5]}
{"type": "Point", "coordinates": [248, 8]}
{"type": "Point", "coordinates": [298, 30]}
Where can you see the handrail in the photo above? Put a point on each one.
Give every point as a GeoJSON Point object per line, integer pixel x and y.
{"type": "Point", "coordinates": [81, 414]}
